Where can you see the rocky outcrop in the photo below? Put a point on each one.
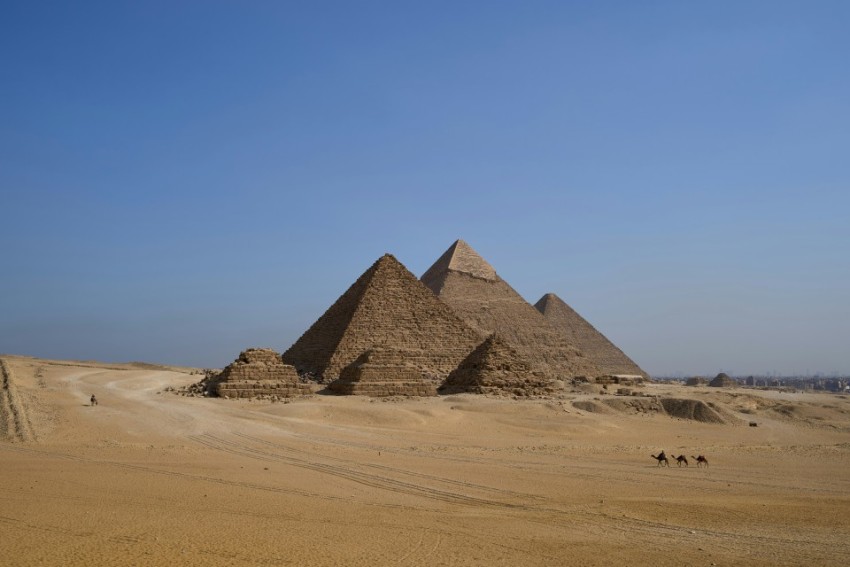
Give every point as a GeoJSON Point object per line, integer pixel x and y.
{"type": "Point", "coordinates": [387, 307]}
{"type": "Point", "coordinates": [679, 408]}
{"type": "Point", "coordinates": [15, 423]}
{"type": "Point", "coordinates": [259, 372]}
{"type": "Point", "coordinates": [383, 372]}
{"type": "Point", "coordinates": [496, 368]}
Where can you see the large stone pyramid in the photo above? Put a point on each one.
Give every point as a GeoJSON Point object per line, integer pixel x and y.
{"type": "Point", "coordinates": [595, 346]}
{"type": "Point", "coordinates": [471, 287]}
{"type": "Point", "coordinates": [382, 372]}
{"type": "Point", "coordinates": [496, 368]}
{"type": "Point", "coordinates": [386, 307]}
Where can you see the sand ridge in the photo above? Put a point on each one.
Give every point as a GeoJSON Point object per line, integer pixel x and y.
{"type": "Point", "coordinates": [149, 477]}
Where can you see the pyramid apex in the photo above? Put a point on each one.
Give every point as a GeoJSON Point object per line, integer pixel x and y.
{"type": "Point", "coordinates": [387, 261]}
{"type": "Point", "coordinates": [547, 300]}
{"type": "Point", "coordinates": [460, 257]}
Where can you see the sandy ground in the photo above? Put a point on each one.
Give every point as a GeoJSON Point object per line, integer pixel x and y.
{"type": "Point", "coordinates": [151, 478]}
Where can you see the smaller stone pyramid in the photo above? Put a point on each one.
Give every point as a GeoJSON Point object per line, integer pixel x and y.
{"type": "Point", "coordinates": [382, 371]}
{"type": "Point", "coordinates": [496, 368]}
{"type": "Point", "coordinates": [722, 380]}
{"type": "Point", "coordinates": [259, 372]}
{"type": "Point", "coordinates": [596, 347]}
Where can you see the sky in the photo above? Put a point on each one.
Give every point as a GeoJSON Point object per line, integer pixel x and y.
{"type": "Point", "coordinates": [182, 180]}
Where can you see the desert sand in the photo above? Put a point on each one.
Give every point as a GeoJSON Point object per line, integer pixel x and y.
{"type": "Point", "coordinates": [148, 477]}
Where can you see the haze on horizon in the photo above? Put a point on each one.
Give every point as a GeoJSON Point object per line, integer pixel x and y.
{"type": "Point", "coordinates": [182, 181]}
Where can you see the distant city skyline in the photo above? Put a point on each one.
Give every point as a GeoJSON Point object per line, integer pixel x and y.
{"type": "Point", "coordinates": [180, 181]}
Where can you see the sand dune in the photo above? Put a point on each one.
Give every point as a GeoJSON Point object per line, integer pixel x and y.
{"type": "Point", "coordinates": [151, 478]}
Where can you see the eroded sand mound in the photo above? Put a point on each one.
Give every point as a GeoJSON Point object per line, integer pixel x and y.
{"type": "Point", "coordinates": [681, 408]}
{"type": "Point", "coordinates": [691, 409]}
{"type": "Point", "coordinates": [591, 406]}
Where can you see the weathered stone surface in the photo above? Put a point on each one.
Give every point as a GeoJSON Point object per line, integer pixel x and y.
{"type": "Point", "coordinates": [259, 372]}
{"type": "Point", "coordinates": [496, 368]}
{"type": "Point", "coordinates": [386, 307]}
{"type": "Point", "coordinates": [471, 287]}
{"type": "Point", "coordinates": [596, 347]}
{"type": "Point", "coordinates": [383, 372]}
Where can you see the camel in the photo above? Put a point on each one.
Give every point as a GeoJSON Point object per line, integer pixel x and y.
{"type": "Point", "coordinates": [700, 460]}
{"type": "Point", "coordinates": [681, 459]}
{"type": "Point", "coordinates": [661, 458]}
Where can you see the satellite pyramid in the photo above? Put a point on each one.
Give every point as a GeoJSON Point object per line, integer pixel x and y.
{"type": "Point", "coordinates": [595, 346]}
{"type": "Point", "coordinates": [259, 372]}
{"type": "Point", "coordinates": [471, 287]}
{"type": "Point", "coordinates": [383, 372]}
{"type": "Point", "coordinates": [496, 368]}
{"type": "Point", "coordinates": [386, 307]}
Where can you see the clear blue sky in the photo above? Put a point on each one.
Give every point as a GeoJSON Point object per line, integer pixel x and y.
{"type": "Point", "coordinates": [182, 180]}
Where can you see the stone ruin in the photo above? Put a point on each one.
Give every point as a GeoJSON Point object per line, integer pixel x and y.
{"type": "Point", "coordinates": [381, 372]}
{"type": "Point", "coordinates": [496, 368]}
{"type": "Point", "coordinates": [722, 380]}
{"type": "Point", "coordinates": [620, 379]}
{"type": "Point", "coordinates": [259, 373]}
{"type": "Point", "coordinates": [473, 289]}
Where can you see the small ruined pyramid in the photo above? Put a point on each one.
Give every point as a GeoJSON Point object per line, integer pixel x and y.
{"type": "Point", "coordinates": [382, 372]}
{"type": "Point", "coordinates": [722, 380]}
{"type": "Point", "coordinates": [595, 346]}
{"type": "Point", "coordinates": [496, 368]}
{"type": "Point", "coordinates": [386, 307]}
{"type": "Point", "coordinates": [259, 372]}
{"type": "Point", "coordinates": [471, 287]}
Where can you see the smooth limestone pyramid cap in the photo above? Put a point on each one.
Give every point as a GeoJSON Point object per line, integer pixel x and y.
{"type": "Point", "coordinates": [596, 346]}
{"type": "Point", "coordinates": [386, 307]}
{"type": "Point", "coordinates": [460, 257]}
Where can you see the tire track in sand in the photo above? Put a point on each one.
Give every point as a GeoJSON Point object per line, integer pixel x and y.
{"type": "Point", "coordinates": [349, 463]}
{"type": "Point", "coordinates": [360, 477]}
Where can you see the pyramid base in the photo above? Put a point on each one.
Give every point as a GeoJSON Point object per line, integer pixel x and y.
{"type": "Point", "coordinates": [497, 383]}
{"type": "Point", "coordinates": [256, 389]}
{"type": "Point", "coordinates": [380, 389]}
